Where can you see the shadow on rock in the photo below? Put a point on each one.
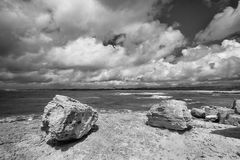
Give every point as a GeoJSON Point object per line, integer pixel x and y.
{"type": "Point", "coordinates": [229, 132]}
{"type": "Point", "coordinates": [65, 145]}
{"type": "Point", "coordinates": [172, 130]}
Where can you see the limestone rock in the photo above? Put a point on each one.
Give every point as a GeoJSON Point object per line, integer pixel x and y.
{"type": "Point", "coordinates": [198, 113]}
{"type": "Point", "coordinates": [65, 118]}
{"type": "Point", "coordinates": [170, 114]}
{"type": "Point", "coordinates": [212, 118]}
{"type": "Point", "coordinates": [210, 110]}
{"type": "Point", "coordinates": [223, 114]}
{"type": "Point", "coordinates": [233, 119]}
{"type": "Point", "coordinates": [236, 106]}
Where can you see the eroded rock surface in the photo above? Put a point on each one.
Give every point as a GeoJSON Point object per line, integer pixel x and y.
{"type": "Point", "coordinates": [210, 110]}
{"type": "Point", "coordinates": [223, 114]}
{"type": "Point", "coordinates": [233, 119]}
{"type": "Point", "coordinates": [170, 114]}
{"type": "Point", "coordinates": [65, 118]}
{"type": "Point", "coordinates": [198, 113]}
{"type": "Point", "coordinates": [236, 106]}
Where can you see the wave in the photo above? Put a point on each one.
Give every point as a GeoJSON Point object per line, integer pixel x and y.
{"type": "Point", "coordinates": [195, 102]}
{"type": "Point", "coordinates": [10, 90]}
{"type": "Point", "coordinates": [18, 118]}
{"type": "Point", "coordinates": [156, 97]}
{"type": "Point", "coordinates": [213, 92]}
{"type": "Point", "coordinates": [142, 93]}
{"type": "Point", "coordinates": [94, 97]}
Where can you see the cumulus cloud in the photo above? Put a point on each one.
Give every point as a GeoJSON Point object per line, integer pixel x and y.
{"type": "Point", "coordinates": [88, 60]}
{"type": "Point", "coordinates": [222, 25]}
{"type": "Point", "coordinates": [51, 43]}
{"type": "Point", "coordinates": [201, 63]}
{"type": "Point", "coordinates": [213, 63]}
{"type": "Point", "coordinates": [27, 26]}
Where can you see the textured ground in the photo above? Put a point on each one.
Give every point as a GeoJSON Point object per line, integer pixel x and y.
{"type": "Point", "coordinates": [123, 136]}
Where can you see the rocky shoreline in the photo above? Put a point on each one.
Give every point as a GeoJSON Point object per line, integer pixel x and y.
{"type": "Point", "coordinates": [123, 136]}
{"type": "Point", "coordinates": [120, 134]}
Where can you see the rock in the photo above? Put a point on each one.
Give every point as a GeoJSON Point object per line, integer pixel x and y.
{"type": "Point", "coordinates": [223, 114]}
{"type": "Point", "coordinates": [65, 118]}
{"type": "Point", "coordinates": [236, 106]}
{"type": "Point", "coordinates": [233, 119]}
{"type": "Point", "coordinates": [212, 118]}
{"type": "Point", "coordinates": [210, 110]}
{"type": "Point", "coordinates": [198, 113]}
{"type": "Point", "coordinates": [170, 114]}
{"type": "Point", "coordinates": [211, 113]}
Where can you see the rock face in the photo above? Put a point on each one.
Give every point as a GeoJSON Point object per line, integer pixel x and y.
{"type": "Point", "coordinates": [170, 114]}
{"type": "Point", "coordinates": [210, 110]}
{"type": "Point", "coordinates": [233, 119]}
{"type": "Point", "coordinates": [236, 106]}
{"type": "Point", "coordinates": [65, 118]}
{"type": "Point", "coordinates": [198, 113]}
{"type": "Point", "coordinates": [223, 114]}
{"type": "Point", "coordinates": [211, 113]}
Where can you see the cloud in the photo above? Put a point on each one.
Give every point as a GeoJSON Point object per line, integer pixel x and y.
{"type": "Point", "coordinates": [88, 60]}
{"type": "Point", "coordinates": [28, 26]}
{"type": "Point", "coordinates": [60, 43]}
{"type": "Point", "coordinates": [220, 5]}
{"type": "Point", "coordinates": [143, 43]}
{"type": "Point", "coordinates": [201, 63]}
{"type": "Point", "coordinates": [20, 31]}
{"type": "Point", "coordinates": [222, 25]}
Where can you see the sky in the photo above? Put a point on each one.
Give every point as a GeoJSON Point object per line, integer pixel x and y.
{"type": "Point", "coordinates": [112, 43]}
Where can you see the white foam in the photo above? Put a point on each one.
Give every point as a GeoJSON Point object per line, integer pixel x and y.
{"type": "Point", "coordinates": [93, 97]}
{"type": "Point", "coordinates": [140, 93]}
{"type": "Point", "coordinates": [10, 90]}
{"type": "Point", "coordinates": [155, 97]}
{"type": "Point", "coordinates": [212, 91]}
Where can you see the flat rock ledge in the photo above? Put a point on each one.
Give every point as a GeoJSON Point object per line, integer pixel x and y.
{"type": "Point", "coordinates": [65, 118]}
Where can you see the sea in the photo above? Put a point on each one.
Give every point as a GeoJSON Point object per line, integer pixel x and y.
{"type": "Point", "coordinates": [32, 102]}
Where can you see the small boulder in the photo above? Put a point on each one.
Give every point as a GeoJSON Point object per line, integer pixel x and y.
{"type": "Point", "coordinates": [210, 110]}
{"type": "Point", "coordinates": [236, 106]}
{"type": "Point", "coordinates": [198, 113]}
{"type": "Point", "coordinates": [212, 118]}
{"type": "Point", "coordinates": [233, 119]}
{"type": "Point", "coordinates": [211, 113]}
{"type": "Point", "coordinates": [65, 118]}
{"type": "Point", "coordinates": [170, 114]}
{"type": "Point", "coordinates": [223, 114]}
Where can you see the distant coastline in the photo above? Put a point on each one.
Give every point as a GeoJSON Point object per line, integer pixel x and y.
{"type": "Point", "coordinates": [204, 88]}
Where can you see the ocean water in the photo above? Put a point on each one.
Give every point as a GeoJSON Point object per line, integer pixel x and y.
{"type": "Point", "coordinates": [24, 102]}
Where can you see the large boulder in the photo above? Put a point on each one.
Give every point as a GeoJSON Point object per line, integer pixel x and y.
{"type": "Point", "coordinates": [223, 114]}
{"type": "Point", "coordinates": [65, 118]}
{"type": "Point", "coordinates": [236, 106]}
{"type": "Point", "coordinates": [198, 113]}
{"type": "Point", "coordinates": [233, 119]}
{"type": "Point", "coordinates": [170, 114]}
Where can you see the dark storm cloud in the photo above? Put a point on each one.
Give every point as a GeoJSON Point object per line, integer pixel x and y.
{"type": "Point", "coordinates": [20, 30]}
{"type": "Point", "coordinates": [222, 25]}
{"type": "Point", "coordinates": [192, 16]}
{"type": "Point", "coordinates": [221, 4]}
